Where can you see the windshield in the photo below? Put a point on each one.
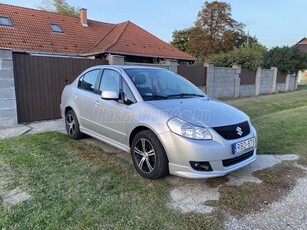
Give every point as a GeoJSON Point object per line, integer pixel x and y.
{"type": "Point", "coordinates": [159, 84]}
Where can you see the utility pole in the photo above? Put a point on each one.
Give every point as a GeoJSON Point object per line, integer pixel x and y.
{"type": "Point", "coordinates": [247, 39]}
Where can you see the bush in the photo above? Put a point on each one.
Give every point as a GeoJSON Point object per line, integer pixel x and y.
{"type": "Point", "coordinates": [248, 57]}
{"type": "Point", "coordinates": [286, 59]}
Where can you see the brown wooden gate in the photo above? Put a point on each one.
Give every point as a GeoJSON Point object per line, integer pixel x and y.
{"type": "Point", "coordinates": [195, 74]}
{"type": "Point", "coordinates": [39, 82]}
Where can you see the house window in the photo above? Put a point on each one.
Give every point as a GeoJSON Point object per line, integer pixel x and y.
{"type": "Point", "coordinates": [56, 28]}
{"type": "Point", "coordinates": [5, 21]}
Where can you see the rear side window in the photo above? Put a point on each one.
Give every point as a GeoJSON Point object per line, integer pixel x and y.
{"type": "Point", "coordinates": [88, 80]}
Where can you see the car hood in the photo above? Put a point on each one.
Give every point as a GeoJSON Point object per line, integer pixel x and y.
{"type": "Point", "coordinates": [205, 111]}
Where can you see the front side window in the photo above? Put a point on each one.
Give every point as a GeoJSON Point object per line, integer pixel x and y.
{"type": "Point", "coordinates": [88, 80]}
{"type": "Point", "coordinates": [109, 81]}
{"type": "Point", "coordinates": [128, 95]}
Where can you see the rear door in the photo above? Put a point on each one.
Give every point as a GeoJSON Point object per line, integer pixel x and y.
{"type": "Point", "coordinates": [84, 95]}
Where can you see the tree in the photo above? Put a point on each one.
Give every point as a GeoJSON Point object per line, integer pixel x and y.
{"type": "Point", "coordinates": [59, 6]}
{"type": "Point", "coordinates": [286, 59]}
{"type": "Point", "coordinates": [245, 40]}
{"type": "Point", "coordinates": [249, 57]}
{"type": "Point", "coordinates": [215, 31]}
{"type": "Point", "coordinates": [180, 39]}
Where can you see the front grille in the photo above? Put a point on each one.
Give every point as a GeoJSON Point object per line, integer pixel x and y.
{"type": "Point", "coordinates": [233, 131]}
{"type": "Point", "coordinates": [238, 159]}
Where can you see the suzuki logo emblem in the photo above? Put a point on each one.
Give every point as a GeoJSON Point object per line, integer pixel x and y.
{"type": "Point", "coordinates": [239, 131]}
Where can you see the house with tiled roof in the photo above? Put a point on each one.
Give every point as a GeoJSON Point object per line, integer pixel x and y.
{"type": "Point", "coordinates": [46, 33]}
{"type": "Point", "coordinates": [302, 45]}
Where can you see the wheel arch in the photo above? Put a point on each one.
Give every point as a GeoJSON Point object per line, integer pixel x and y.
{"type": "Point", "coordinates": [135, 131]}
{"type": "Point", "coordinates": [67, 109]}
{"type": "Point", "coordinates": [140, 128]}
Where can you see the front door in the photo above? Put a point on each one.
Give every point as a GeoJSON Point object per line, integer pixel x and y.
{"type": "Point", "coordinates": [110, 115]}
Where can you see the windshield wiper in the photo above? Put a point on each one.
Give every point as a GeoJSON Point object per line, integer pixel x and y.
{"type": "Point", "coordinates": [154, 97]}
{"type": "Point", "coordinates": [185, 95]}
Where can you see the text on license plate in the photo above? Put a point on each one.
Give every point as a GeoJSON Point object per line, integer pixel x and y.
{"type": "Point", "coordinates": [244, 145]}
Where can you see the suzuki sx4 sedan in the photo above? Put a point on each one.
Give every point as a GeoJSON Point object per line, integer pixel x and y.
{"type": "Point", "coordinates": [166, 123]}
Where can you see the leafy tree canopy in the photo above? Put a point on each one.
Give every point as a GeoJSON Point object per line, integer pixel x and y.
{"type": "Point", "coordinates": [247, 56]}
{"type": "Point", "coordinates": [181, 39]}
{"type": "Point", "coordinates": [59, 6]}
{"type": "Point", "coordinates": [245, 40]}
{"type": "Point", "coordinates": [214, 31]}
{"type": "Point", "coordinates": [286, 59]}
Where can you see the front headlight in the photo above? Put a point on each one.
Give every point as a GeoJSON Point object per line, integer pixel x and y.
{"type": "Point", "coordinates": [185, 129]}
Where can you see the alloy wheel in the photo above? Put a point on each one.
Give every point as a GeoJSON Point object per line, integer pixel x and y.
{"type": "Point", "coordinates": [145, 155]}
{"type": "Point", "coordinates": [70, 124]}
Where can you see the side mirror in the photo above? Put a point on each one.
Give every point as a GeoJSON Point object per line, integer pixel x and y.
{"type": "Point", "coordinates": [109, 95]}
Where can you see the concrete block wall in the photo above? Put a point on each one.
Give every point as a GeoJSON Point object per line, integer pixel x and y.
{"type": "Point", "coordinates": [292, 82]}
{"type": "Point", "coordinates": [224, 82]}
{"type": "Point", "coordinates": [8, 109]}
{"type": "Point", "coordinates": [266, 81]}
{"type": "Point", "coordinates": [247, 90]}
{"type": "Point", "coordinates": [280, 87]}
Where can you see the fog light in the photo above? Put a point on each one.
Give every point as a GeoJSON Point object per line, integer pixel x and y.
{"type": "Point", "coordinates": [201, 166]}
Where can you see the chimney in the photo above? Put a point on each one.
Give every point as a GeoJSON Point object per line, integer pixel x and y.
{"type": "Point", "coordinates": [83, 17]}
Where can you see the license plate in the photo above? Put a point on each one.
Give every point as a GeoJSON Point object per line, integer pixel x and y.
{"type": "Point", "coordinates": [243, 146]}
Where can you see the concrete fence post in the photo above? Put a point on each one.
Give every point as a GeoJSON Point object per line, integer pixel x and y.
{"type": "Point", "coordinates": [172, 65]}
{"type": "Point", "coordinates": [296, 82]}
{"type": "Point", "coordinates": [210, 79]}
{"type": "Point", "coordinates": [237, 80]}
{"type": "Point", "coordinates": [257, 81]}
{"type": "Point", "coordinates": [116, 59]}
{"type": "Point", "coordinates": [274, 79]}
{"type": "Point", "coordinates": [8, 108]}
{"type": "Point", "coordinates": [287, 82]}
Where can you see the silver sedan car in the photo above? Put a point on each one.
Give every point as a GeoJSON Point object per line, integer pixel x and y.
{"type": "Point", "coordinates": [166, 123]}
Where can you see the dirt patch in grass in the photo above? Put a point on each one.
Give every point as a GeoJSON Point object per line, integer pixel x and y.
{"type": "Point", "coordinates": [277, 182]}
{"type": "Point", "coordinates": [85, 151]}
{"type": "Point", "coordinates": [215, 182]}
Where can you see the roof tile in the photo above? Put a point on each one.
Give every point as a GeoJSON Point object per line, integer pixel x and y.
{"type": "Point", "coordinates": [31, 32]}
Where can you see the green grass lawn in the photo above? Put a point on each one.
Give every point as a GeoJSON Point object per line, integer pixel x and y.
{"type": "Point", "coordinates": [280, 121]}
{"type": "Point", "coordinates": [302, 87]}
{"type": "Point", "coordinates": [77, 186]}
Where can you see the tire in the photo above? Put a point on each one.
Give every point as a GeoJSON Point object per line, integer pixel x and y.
{"type": "Point", "coordinates": [148, 155]}
{"type": "Point", "coordinates": [72, 125]}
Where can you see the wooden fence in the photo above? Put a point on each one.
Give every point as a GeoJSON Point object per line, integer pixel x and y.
{"type": "Point", "coordinates": [195, 74]}
{"type": "Point", "coordinates": [247, 76]}
{"type": "Point", "coordinates": [39, 82]}
{"type": "Point", "coordinates": [281, 77]}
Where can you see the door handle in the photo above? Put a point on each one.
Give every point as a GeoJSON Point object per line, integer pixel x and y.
{"type": "Point", "coordinates": [96, 103]}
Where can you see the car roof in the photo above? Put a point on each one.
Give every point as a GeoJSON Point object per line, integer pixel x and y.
{"type": "Point", "coordinates": [126, 67]}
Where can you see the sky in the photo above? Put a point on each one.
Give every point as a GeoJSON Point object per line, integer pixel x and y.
{"type": "Point", "coordinates": [273, 22]}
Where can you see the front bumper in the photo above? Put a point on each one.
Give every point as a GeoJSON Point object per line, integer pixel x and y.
{"type": "Point", "coordinates": [181, 151]}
